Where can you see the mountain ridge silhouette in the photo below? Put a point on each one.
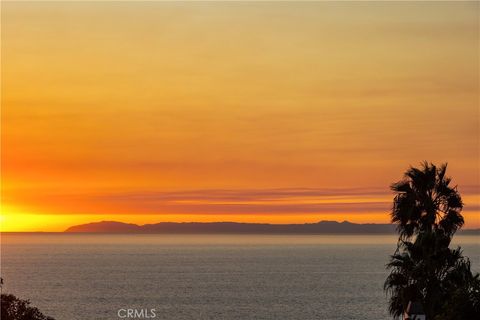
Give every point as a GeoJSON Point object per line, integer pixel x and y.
{"type": "Point", "coordinates": [324, 226]}
{"type": "Point", "coordinates": [321, 227]}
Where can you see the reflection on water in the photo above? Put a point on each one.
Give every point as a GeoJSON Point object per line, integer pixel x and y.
{"type": "Point", "coordinates": [194, 239]}
{"type": "Point", "coordinates": [204, 276]}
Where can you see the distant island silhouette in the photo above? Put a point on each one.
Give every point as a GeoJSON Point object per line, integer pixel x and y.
{"type": "Point", "coordinates": [322, 227]}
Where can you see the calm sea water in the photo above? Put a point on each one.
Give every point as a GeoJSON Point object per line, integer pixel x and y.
{"type": "Point", "coordinates": [203, 276]}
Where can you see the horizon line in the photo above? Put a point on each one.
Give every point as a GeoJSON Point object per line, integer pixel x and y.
{"type": "Point", "coordinates": [219, 222]}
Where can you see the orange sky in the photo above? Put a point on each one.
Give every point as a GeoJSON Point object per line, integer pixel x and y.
{"type": "Point", "coordinates": [259, 112]}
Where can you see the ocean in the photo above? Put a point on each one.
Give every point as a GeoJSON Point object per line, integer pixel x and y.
{"type": "Point", "coordinates": [100, 276]}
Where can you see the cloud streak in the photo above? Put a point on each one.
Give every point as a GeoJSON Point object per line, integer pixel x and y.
{"type": "Point", "coordinates": [276, 201]}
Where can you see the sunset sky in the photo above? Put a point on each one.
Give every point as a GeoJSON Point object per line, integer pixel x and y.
{"type": "Point", "coordinates": [280, 112]}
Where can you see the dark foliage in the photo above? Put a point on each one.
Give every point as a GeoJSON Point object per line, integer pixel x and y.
{"type": "Point", "coordinates": [424, 268]}
{"type": "Point", "coordinates": [425, 200]}
{"type": "Point", "coordinates": [13, 308]}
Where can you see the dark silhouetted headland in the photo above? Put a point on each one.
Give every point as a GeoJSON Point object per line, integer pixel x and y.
{"type": "Point", "coordinates": [106, 226]}
{"type": "Point", "coordinates": [322, 227]}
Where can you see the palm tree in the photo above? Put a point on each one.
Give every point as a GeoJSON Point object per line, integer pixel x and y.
{"type": "Point", "coordinates": [425, 201]}
{"type": "Point", "coordinates": [424, 269]}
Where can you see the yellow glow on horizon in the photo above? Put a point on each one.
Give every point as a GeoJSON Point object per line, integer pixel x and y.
{"type": "Point", "coordinates": [60, 222]}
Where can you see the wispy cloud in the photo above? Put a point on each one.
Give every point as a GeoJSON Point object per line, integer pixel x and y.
{"type": "Point", "coordinates": [221, 201]}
